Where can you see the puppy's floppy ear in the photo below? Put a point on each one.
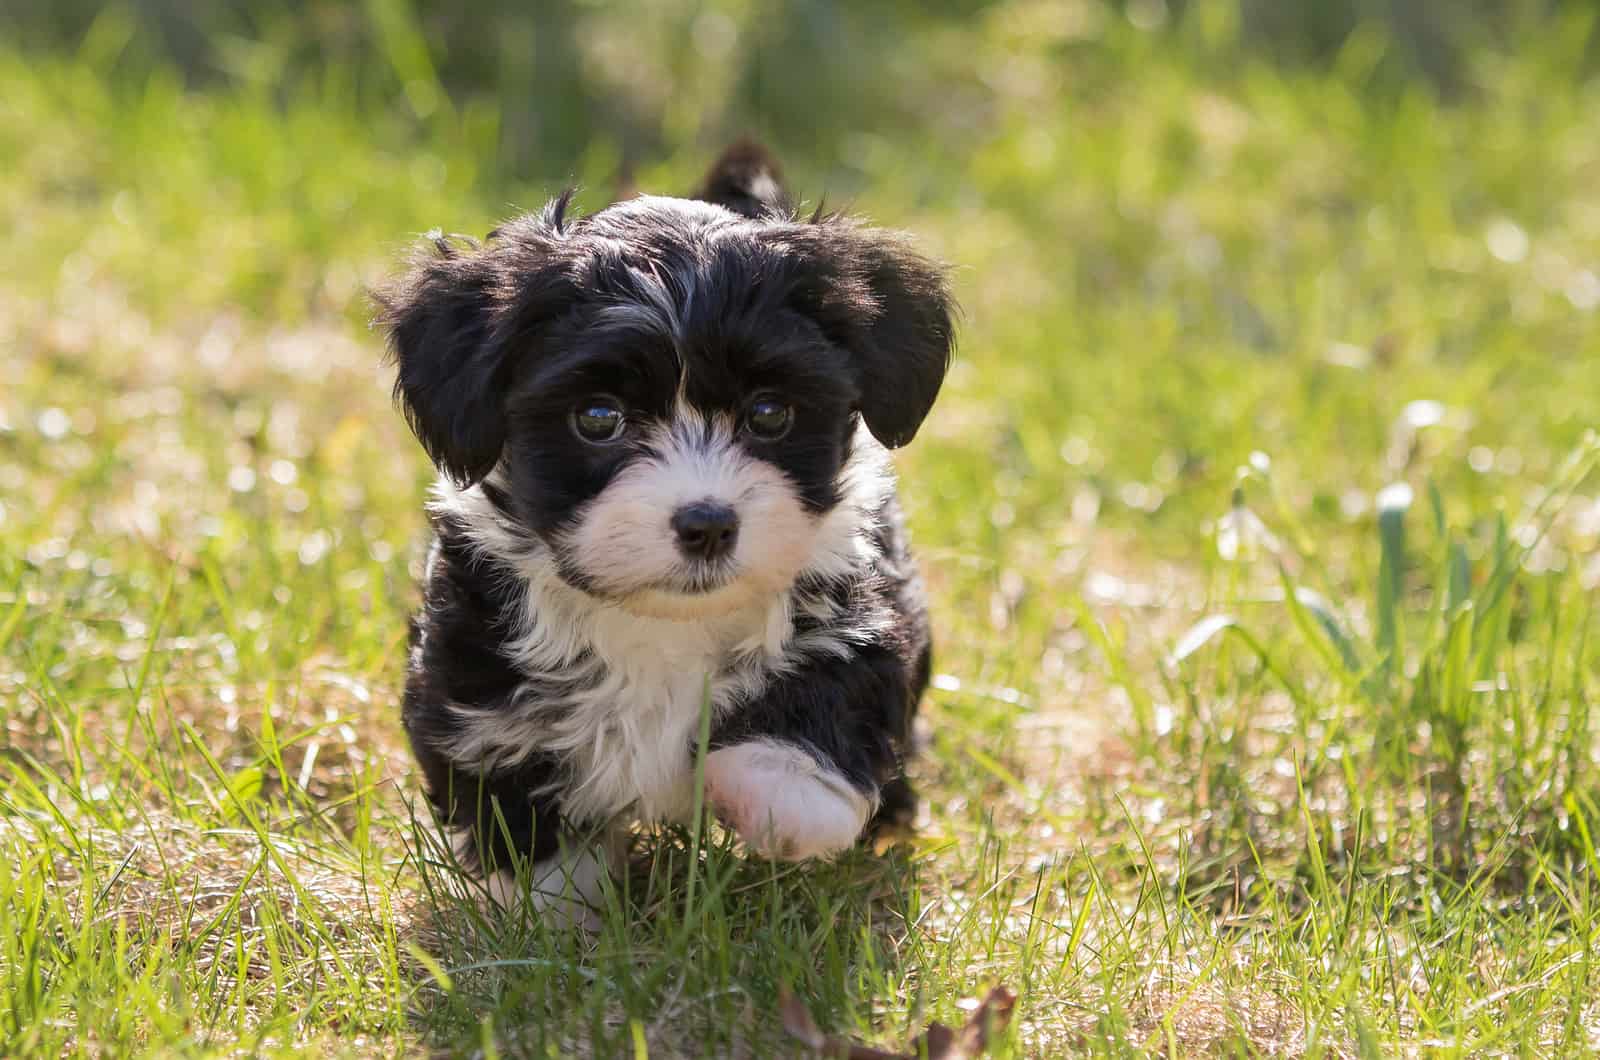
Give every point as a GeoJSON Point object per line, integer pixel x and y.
{"type": "Point", "coordinates": [887, 305]}
{"type": "Point", "coordinates": [457, 322]}
{"type": "Point", "coordinates": [747, 179]}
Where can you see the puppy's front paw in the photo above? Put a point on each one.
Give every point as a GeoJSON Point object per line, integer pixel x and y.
{"type": "Point", "coordinates": [782, 802]}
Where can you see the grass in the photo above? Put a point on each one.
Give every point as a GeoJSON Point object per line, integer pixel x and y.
{"type": "Point", "coordinates": [1259, 517]}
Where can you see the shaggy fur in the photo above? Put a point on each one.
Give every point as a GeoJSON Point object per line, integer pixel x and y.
{"type": "Point", "coordinates": [661, 432]}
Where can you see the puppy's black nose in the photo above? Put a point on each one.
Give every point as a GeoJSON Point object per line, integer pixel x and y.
{"type": "Point", "coordinates": [705, 529]}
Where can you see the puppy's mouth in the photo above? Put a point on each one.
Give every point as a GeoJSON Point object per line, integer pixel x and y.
{"type": "Point", "coordinates": [694, 595]}
{"type": "Point", "coordinates": [701, 580]}
{"type": "Point", "coordinates": [685, 581]}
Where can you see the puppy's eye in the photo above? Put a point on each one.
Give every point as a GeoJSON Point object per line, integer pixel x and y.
{"type": "Point", "coordinates": [599, 419]}
{"type": "Point", "coordinates": [768, 419]}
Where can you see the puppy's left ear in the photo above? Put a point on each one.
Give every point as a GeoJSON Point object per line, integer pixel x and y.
{"type": "Point", "coordinates": [888, 306]}
{"type": "Point", "coordinates": [902, 356]}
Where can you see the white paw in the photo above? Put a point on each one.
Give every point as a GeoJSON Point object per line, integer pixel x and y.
{"type": "Point", "coordinates": [564, 889]}
{"type": "Point", "coordinates": [782, 802]}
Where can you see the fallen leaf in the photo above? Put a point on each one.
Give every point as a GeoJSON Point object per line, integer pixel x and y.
{"type": "Point", "coordinates": [990, 1017]}
{"type": "Point", "coordinates": [938, 1042]}
{"type": "Point", "coordinates": [798, 1022]}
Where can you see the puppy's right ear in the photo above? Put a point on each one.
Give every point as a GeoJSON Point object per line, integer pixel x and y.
{"type": "Point", "coordinates": [438, 317]}
{"type": "Point", "coordinates": [747, 179]}
{"type": "Point", "coordinates": [457, 321]}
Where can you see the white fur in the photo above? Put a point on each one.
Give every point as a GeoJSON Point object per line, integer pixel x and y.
{"type": "Point", "coordinates": [783, 803]}
{"type": "Point", "coordinates": [764, 188]}
{"type": "Point", "coordinates": [659, 311]}
{"type": "Point", "coordinates": [567, 886]}
{"type": "Point", "coordinates": [624, 542]}
{"type": "Point", "coordinates": [638, 681]}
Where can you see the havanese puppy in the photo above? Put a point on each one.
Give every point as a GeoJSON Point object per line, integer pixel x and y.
{"type": "Point", "coordinates": [661, 432]}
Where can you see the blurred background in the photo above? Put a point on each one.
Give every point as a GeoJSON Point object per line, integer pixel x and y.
{"type": "Point", "coordinates": [572, 84]}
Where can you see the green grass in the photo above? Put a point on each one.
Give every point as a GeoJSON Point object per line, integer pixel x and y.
{"type": "Point", "coordinates": [1234, 748]}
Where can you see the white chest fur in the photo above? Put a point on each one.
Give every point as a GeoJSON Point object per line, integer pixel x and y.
{"type": "Point", "coordinates": [618, 698]}
{"type": "Point", "coordinates": [627, 738]}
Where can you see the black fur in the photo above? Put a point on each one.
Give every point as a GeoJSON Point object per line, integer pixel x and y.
{"type": "Point", "coordinates": [649, 303]}
{"type": "Point", "coordinates": [748, 181]}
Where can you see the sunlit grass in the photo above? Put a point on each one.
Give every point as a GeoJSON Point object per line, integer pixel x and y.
{"type": "Point", "coordinates": [1258, 515]}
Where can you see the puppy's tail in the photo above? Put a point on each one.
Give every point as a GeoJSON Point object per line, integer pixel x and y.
{"type": "Point", "coordinates": [747, 179]}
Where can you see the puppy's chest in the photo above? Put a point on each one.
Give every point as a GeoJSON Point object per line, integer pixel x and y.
{"type": "Point", "coordinates": [626, 724]}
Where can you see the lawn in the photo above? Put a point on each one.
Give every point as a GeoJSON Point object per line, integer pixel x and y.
{"type": "Point", "coordinates": [1260, 513]}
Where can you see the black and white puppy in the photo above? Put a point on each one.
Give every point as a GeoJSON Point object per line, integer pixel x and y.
{"type": "Point", "coordinates": [661, 433]}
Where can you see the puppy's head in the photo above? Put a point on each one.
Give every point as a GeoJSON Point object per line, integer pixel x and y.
{"type": "Point", "coordinates": [667, 393]}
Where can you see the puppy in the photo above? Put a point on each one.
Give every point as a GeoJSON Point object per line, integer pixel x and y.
{"type": "Point", "coordinates": [661, 431]}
